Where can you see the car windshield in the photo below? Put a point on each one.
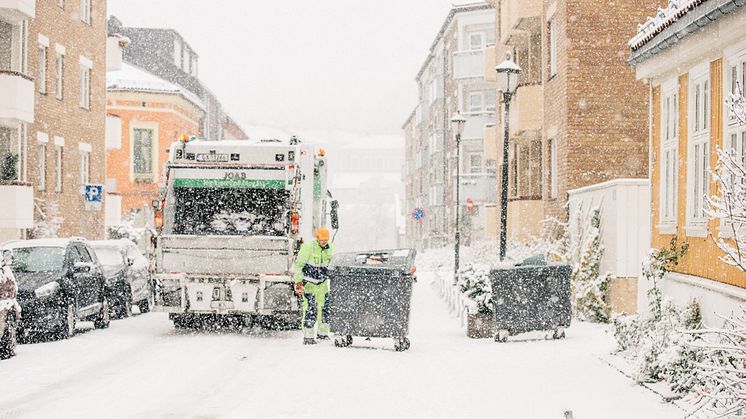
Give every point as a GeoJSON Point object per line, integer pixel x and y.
{"type": "Point", "coordinates": [109, 256]}
{"type": "Point", "coordinates": [38, 259]}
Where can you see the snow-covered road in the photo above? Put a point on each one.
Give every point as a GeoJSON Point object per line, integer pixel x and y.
{"type": "Point", "coordinates": [141, 367]}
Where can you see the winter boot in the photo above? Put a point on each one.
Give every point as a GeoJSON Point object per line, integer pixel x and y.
{"type": "Point", "coordinates": [309, 341]}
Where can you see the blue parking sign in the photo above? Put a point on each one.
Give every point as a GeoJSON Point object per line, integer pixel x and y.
{"type": "Point", "coordinates": [94, 194]}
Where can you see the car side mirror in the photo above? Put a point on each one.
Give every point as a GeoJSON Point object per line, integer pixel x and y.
{"type": "Point", "coordinates": [81, 267]}
{"type": "Point", "coordinates": [334, 214]}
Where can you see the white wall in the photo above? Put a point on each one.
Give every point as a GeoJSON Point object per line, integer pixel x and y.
{"type": "Point", "coordinates": [113, 210]}
{"type": "Point", "coordinates": [625, 222]}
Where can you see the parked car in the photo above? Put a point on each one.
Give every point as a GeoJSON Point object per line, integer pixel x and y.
{"type": "Point", "coordinates": [60, 282]}
{"type": "Point", "coordinates": [127, 275]}
{"type": "Point", "coordinates": [10, 311]}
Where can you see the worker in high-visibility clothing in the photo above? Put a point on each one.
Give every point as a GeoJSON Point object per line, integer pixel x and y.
{"type": "Point", "coordinates": [312, 282]}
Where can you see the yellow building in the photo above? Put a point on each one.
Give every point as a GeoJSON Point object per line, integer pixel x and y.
{"type": "Point", "coordinates": [691, 59]}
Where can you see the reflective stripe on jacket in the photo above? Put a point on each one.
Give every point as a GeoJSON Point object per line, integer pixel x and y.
{"type": "Point", "coordinates": [312, 262]}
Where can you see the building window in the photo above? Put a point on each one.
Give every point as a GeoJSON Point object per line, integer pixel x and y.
{"type": "Point", "coordinates": [475, 163]}
{"type": "Point", "coordinates": [58, 75]}
{"type": "Point", "coordinates": [475, 102]}
{"type": "Point", "coordinates": [142, 158]}
{"type": "Point", "coordinates": [476, 41]}
{"type": "Point", "coordinates": [58, 168]}
{"type": "Point", "coordinates": [42, 76]}
{"type": "Point", "coordinates": [490, 101]}
{"type": "Point", "coordinates": [177, 52]}
{"type": "Point", "coordinates": [61, 3]}
{"type": "Point", "coordinates": [552, 48]}
{"type": "Point", "coordinates": [42, 168]}
{"type": "Point", "coordinates": [85, 87]}
{"type": "Point", "coordinates": [698, 165]}
{"type": "Point", "coordinates": [669, 154]}
{"type": "Point", "coordinates": [85, 11]}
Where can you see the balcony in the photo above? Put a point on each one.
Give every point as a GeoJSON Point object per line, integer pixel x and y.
{"type": "Point", "coordinates": [16, 11]}
{"type": "Point", "coordinates": [17, 100]}
{"type": "Point", "coordinates": [468, 64]}
{"type": "Point", "coordinates": [527, 109]}
{"type": "Point", "coordinates": [17, 205]}
{"type": "Point", "coordinates": [518, 16]}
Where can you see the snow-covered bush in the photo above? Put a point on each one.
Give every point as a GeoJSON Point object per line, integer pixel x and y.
{"type": "Point", "coordinates": [658, 343]}
{"type": "Point", "coordinates": [588, 284]}
{"type": "Point", "coordinates": [49, 220]}
{"type": "Point", "coordinates": [128, 230]}
{"type": "Point", "coordinates": [474, 282]}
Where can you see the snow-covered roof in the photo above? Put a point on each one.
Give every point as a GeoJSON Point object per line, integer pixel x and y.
{"type": "Point", "coordinates": [132, 78]}
{"type": "Point", "coordinates": [683, 17]}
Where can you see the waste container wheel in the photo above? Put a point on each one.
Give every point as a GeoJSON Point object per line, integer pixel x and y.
{"type": "Point", "coordinates": [502, 336]}
{"type": "Point", "coordinates": [342, 341]}
{"type": "Point", "coordinates": [558, 333]}
{"type": "Point", "coordinates": [401, 344]}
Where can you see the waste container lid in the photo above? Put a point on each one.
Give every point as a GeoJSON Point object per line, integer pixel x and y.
{"type": "Point", "coordinates": [398, 259]}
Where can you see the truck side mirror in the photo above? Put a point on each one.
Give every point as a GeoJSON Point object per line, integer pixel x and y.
{"type": "Point", "coordinates": [335, 215]}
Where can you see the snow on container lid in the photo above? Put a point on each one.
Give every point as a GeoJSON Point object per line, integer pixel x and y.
{"type": "Point", "coordinates": [394, 259]}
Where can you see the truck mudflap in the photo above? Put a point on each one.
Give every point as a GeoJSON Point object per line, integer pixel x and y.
{"type": "Point", "coordinates": [265, 294]}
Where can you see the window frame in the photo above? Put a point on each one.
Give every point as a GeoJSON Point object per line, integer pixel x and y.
{"type": "Point", "coordinates": [552, 50]}
{"type": "Point", "coordinates": [137, 176]}
{"type": "Point", "coordinates": [553, 166]}
{"type": "Point", "coordinates": [59, 75]}
{"type": "Point", "coordinates": [669, 153]}
{"type": "Point", "coordinates": [85, 86]}
{"type": "Point", "coordinates": [43, 56]}
{"type": "Point", "coordinates": [85, 11]}
{"type": "Point", "coordinates": [698, 147]}
{"type": "Point", "coordinates": [41, 164]}
{"type": "Point", "coordinates": [59, 156]}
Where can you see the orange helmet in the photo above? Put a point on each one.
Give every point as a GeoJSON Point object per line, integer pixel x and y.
{"type": "Point", "coordinates": [322, 234]}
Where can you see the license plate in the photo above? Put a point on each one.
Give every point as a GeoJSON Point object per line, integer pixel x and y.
{"type": "Point", "coordinates": [212, 157]}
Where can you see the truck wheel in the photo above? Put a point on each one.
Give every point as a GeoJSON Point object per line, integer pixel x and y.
{"type": "Point", "coordinates": [144, 305]}
{"type": "Point", "coordinates": [502, 336]}
{"type": "Point", "coordinates": [9, 340]}
{"type": "Point", "coordinates": [103, 318]}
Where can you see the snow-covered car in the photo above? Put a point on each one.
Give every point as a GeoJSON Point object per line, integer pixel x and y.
{"type": "Point", "coordinates": [60, 281]}
{"type": "Point", "coordinates": [10, 311]}
{"type": "Point", "coordinates": [127, 275]}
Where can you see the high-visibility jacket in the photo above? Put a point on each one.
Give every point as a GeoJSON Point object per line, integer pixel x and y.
{"type": "Point", "coordinates": [312, 263]}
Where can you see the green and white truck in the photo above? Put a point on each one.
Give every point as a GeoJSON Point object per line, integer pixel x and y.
{"type": "Point", "coordinates": [232, 215]}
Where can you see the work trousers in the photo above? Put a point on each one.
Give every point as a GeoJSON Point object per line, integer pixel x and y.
{"type": "Point", "coordinates": [315, 309]}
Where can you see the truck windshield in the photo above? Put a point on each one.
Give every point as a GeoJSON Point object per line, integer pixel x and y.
{"type": "Point", "coordinates": [230, 212]}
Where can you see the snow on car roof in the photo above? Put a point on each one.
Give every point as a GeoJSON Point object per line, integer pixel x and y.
{"type": "Point", "coordinates": [37, 243]}
{"type": "Point", "coordinates": [108, 243]}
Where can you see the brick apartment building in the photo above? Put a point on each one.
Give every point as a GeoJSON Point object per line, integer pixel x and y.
{"type": "Point", "coordinates": [451, 80]}
{"type": "Point", "coordinates": [67, 56]}
{"type": "Point", "coordinates": [579, 116]}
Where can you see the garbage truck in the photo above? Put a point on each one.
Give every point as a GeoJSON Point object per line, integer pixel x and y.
{"type": "Point", "coordinates": [232, 217]}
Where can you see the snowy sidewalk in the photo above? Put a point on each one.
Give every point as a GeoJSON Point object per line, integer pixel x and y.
{"type": "Point", "coordinates": [141, 367]}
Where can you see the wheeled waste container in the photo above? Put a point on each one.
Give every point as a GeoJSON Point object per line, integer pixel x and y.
{"type": "Point", "coordinates": [531, 298]}
{"type": "Point", "coordinates": [371, 295]}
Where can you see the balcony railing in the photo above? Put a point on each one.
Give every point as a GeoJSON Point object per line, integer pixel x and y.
{"type": "Point", "coordinates": [17, 205]}
{"type": "Point", "coordinates": [468, 64]}
{"type": "Point", "coordinates": [16, 11]}
{"type": "Point", "coordinates": [17, 100]}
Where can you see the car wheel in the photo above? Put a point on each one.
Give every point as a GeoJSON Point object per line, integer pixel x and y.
{"type": "Point", "coordinates": [9, 340]}
{"type": "Point", "coordinates": [123, 308]}
{"type": "Point", "coordinates": [103, 318]}
{"type": "Point", "coordinates": [69, 320]}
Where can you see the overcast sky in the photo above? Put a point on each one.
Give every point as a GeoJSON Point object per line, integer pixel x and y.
{"type": "Point", "coordinates": [304, 64]}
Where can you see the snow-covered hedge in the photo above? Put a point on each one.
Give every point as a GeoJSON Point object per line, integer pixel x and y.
{"type": "Point", "coordinates": [474, 282]}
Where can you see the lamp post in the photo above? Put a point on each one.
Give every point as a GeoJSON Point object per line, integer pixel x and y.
{"type": "Point", "coordinates": [507, 78]}
{"type": "Point", "coordinates": [458, 123]}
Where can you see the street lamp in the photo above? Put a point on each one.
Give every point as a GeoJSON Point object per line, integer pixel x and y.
{"type": "Point", "coordinates": [458, 123]}
{"type": "Point", "coordinates": [507, 79]}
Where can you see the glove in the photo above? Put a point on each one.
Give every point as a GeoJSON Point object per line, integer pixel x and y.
{"type": "Point", "coordinates": [298, 289]}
